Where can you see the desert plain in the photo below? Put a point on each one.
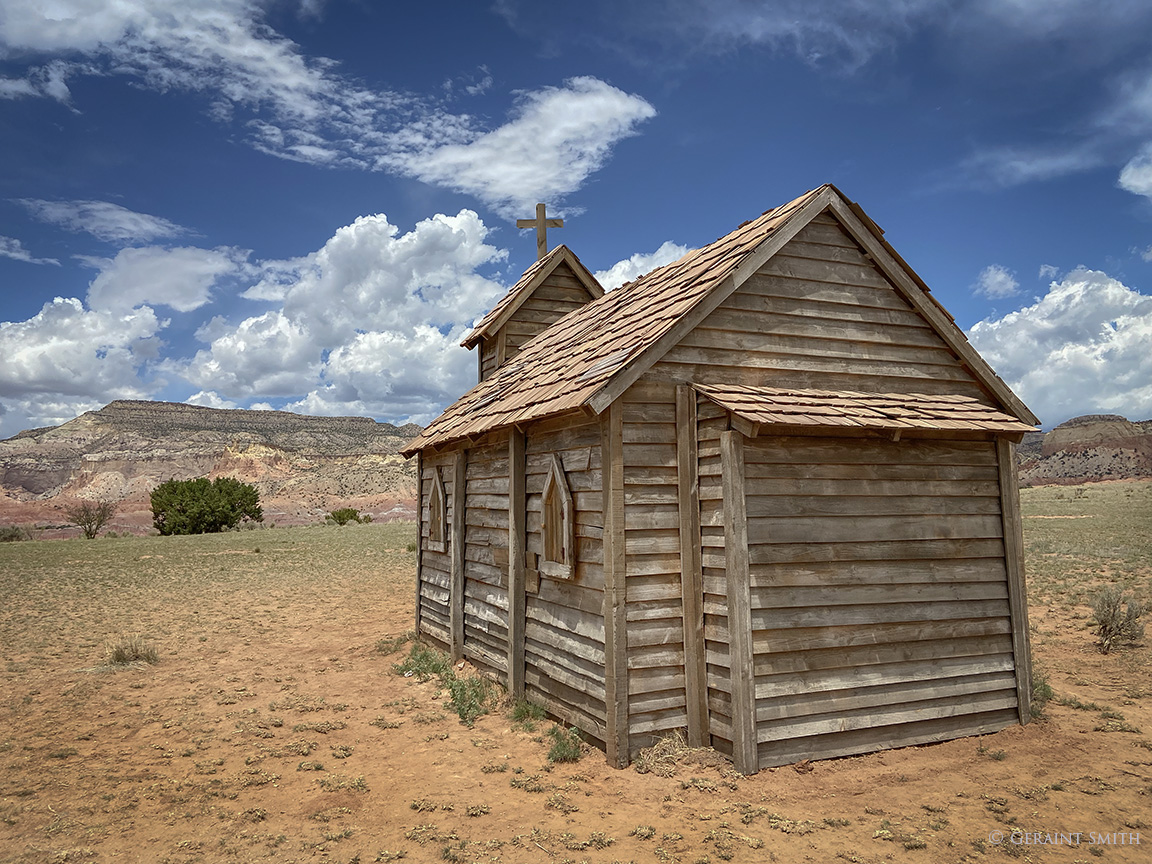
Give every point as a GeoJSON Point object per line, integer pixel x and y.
{"type": "Point", "coordinates": [274, 725]}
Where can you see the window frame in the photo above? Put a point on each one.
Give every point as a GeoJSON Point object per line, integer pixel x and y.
{"type": "Point", "coordinates": [437, 514]}
{"type": "Point", "coordinates": [558, 524]}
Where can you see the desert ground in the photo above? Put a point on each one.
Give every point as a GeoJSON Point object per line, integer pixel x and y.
{"type": "Point", "coordinates": [274, 725]}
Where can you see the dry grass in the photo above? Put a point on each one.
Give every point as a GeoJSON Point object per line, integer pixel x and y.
{"type": "Point", "coordinates": [275, 727]}
{"type": "Point", "coordinates": [127, 650]}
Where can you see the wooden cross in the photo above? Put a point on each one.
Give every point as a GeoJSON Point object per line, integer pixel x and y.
{"type": "Point", "coordinates": [541, 225]}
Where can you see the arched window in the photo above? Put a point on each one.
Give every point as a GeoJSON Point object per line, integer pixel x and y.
{"type": "Point", "coordinates": [559, 525]}
{"type": "Point", "coordinates": [437, 514]}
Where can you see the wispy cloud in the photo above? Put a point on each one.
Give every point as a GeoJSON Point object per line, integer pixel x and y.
{"type": "Point", "coordinates": [995, 282]}
{"type": "Point", "coordinates": [557, 137]}
{"type": "Point", "coordinates": [103, 220]}
{"type": "Point", "coordinates": [10, 247]}
{"type": "Point", "coordinates": [305, 109]}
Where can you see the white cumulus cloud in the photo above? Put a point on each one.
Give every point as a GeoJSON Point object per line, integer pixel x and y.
{"type": "Point", "coordinates": [210, 399]}
{"type": "Point", "coordinates": [1136, 176]}
{"type": "Point", "coordinates": [181, 278]}
{"type": "Point", "coordinates": [1085, 347]}
{"type": "Point", "coordinates": [367, 324]}
{"type": "Point", "coordinates": [67, 359]}
{"type": "Point", "coordinates": [103, 220]}
{"type": "Point", "coordinates": [995, 282]}
{"type": "Point", "coordinates": [637, 265]}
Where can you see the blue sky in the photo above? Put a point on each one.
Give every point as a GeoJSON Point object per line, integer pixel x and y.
{"type": "Point", "coordinates": [305, 204]}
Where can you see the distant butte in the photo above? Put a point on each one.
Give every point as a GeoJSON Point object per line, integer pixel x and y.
{"type": "Point", "coordinates": [303, 465]}
{"type": "Point", "coordinates": [1087, 449]}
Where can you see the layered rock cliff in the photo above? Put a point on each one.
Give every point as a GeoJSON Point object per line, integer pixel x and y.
{"type": "Point", "coordinates": [302, 465]}
{"type": "Point", "coordinates": [1085, 449]}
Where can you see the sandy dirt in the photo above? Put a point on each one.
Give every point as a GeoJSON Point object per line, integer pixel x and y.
{"type": "Point", "coordinates": [273, 728]}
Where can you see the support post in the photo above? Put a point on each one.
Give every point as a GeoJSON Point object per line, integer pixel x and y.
{"type": "Point", "coordinates": [691, 576]}
{"type": "Point", "coordinates": [1014, 564]}
{"type": "Point", "coordinates": [615, 624]}
{"type": "Point", "coordinates": [456, 589]}
{"type": "Point", "coordinates": [739, 604]}
{"type": "Point", "coordinates": [419, 535]}
{"type": "Point", "coordinates": [517, 516]}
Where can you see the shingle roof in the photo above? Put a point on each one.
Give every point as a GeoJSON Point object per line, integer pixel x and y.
{"type": "Point", "coordinates": [528, 283]}
{"type": "Point", "coordinates": [585, 358]}
{"type": "Point", "coordinates": [563, 367]}
{"type": "Point", "coordinates": [773, 406]}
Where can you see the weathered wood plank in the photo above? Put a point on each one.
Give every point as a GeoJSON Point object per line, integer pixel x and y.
{"type": "Point", "coordinates": [869, 551]}
{"type": "Point", "coordinates": [774, 643]}
{"type": "Point", "coordinates": [420, 543]}
{"type": "Point", "coordinates": [854, 595]}
{"type": "Point", "coordinates": [846, 377]}
{"type": "Point", "coordinates": [516, 575]}
{"type": "Point", "coordinates": [615, 625]}
{"type": "Point", "coordinates": [691, 573]}
{"type": "Point", "coordinates": [870, 505]}
{"type": "Point", "coordinates": [853, 529]}
{"type": "Point", "coordinates": [1014, 562]}
{"type": "Point", "coordinates": [875, 613]}
{"type": "Point", "coordinates": [739, 603]}
{"type": "Point", "coordinates": [851, 344]}
{"type": "Point", "coordinates": [830, 704]}
{"type": "Point", "coordinates": [925, 668]}
{"type": "Point", "coordinates": [457, 542]}
{"type": "Point", "coordinates": [874, 573]}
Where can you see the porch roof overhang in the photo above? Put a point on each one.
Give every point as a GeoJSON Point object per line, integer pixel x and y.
{"type": "Point", "coordinates": [759, 410]}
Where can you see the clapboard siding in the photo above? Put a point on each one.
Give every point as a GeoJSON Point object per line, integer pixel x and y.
{"type": "Point", "coordinates": [654, 613]}
{"type": "Point", "coordinates": [560, 293]}
{"type": "Point", "coordinates": [564, 627]}
{"type": "Point", "coordinates": [819, 314]}
{"type": "Point", "coordinates": [435, 566]}
{"type": "Point", "coordinates": [711, 421]}
{"type": "Point", "coordinates": [486, 555]}
{"type": "Point", "coordinates": [880, 612]}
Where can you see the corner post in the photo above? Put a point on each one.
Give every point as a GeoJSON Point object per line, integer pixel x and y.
{"type": "Point", "coordinates": [456, 591]}
{"type": "Point", "coordinates": [615, 623]}
{"type": "Point", "coordinates": [691, 576]}
{"type": "Point", "coordinates": [744, 753]}
{"type": "Point", "coordinates": [419, 535]}
{"type": "Point", "coordinates": [517, 516]}
{"type": "Point", "coordinates": [1014, 564]}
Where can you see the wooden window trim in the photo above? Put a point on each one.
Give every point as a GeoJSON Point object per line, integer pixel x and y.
{"type": "Point", "coordinates": [559, 534]}
{"type": "Point", "coordinates": [437, 514]}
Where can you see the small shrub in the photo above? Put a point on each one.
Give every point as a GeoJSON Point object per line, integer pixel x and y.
{"type": "Point", "coordinates": [1114, 625]}
{"type": "Point", "coordinates": [130, 649]}
{"type": "Point", "coordinates": [411, 547]}
{"type": "Point", "coordinates": [468, 697]}
{"type": "Point", "coordinates": [1042, 694]}
{"type": "Point", "coordinates": [344, 515]}
{"type": "Point", "coordinates": [423, 663]}
{"type": "Point", "coordinates": [90, 516]}
{"type": "Point", "coordinates": [203, 506]}
{"type": "Point", "coordinates": [14, 533]}
{"type": "Point", "coordinates": [525, 715]}
{"type": "Point", "coordinates": [390, 645]}
{"type": "Point", "coordinates": [566, 745]}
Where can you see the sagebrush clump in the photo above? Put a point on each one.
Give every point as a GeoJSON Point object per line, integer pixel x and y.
{"type": "Point", "coordinates": [566, 745]}
{"type": "Point", "coordinates": [130, 649]}
{"type": "Point", "coordinates": [1113, 623]}
{"type": "Point", "coordinates": [344, 515]}
{"type": "Point", "coordinates": [469, 696]}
